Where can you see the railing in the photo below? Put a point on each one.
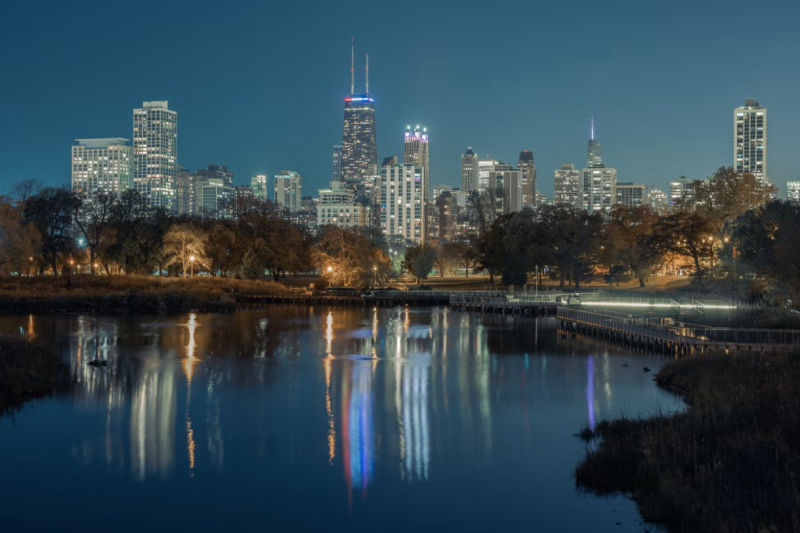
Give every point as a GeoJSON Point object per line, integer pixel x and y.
{"type": "Point", "coordinates": [682, 332]}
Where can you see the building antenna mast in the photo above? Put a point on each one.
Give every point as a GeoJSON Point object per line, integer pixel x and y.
{"type": "Point", "coordinates": [366, 69]}
{"type": "Point", "coordinates": [352, 65]}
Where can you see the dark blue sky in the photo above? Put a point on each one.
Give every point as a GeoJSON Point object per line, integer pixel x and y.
{"type": "Point", "coordinates": [259, 87]}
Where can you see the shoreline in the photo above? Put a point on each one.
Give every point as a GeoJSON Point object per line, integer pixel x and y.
{"type": "Point", "coordinates": [27, 371]}
{"type": "Point", "coordinates": [729, 462]}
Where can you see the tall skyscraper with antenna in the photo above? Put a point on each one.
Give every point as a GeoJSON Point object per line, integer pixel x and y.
{"type": "Point", "coordinates": [595, 150]}
{"type": "Point", "coordinates": [359, 143]}
{"type": "Point", "coordinates": [599, 184]}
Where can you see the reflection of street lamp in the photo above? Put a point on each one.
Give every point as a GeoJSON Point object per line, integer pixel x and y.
{"type": "Point", "coordinates": [191, 264]}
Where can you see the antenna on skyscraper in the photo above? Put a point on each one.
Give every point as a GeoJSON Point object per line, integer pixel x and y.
{"type": "Point", "coordinates": [592, 132]}
{"type": "Point", "coordinates": [366, 70]}
{"type": "Point", "coordinates": [352, 66]}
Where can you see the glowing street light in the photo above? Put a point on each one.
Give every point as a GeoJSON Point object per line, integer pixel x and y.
{"type": "Point", "coordinates": [191, 263]}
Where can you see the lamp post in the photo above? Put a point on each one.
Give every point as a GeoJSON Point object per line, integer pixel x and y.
{"type": "Point", "coordinates": [191, 265]}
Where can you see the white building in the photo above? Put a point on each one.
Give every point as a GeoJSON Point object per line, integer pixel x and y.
{"type": "Point", "coordinates": [485, 166]}
{"type": "Point", "coordinates": [348, 215]}
{"type": "Point", "coordinates": [793, 190]}
{"type": "Point", "coordinates": [289, 190]}
{"type": "Point", "coordinates": [599, 188]}
{"type": "Point", "coordinates": [155, 153]}
{"type": "Point", "coordinates": [415, 152]}
{"type": "Point", "coordinates": [403, 202]}
{"type": "Point", "coordinates": [750, 140]}
{"type": "Point", "coordinates": [101, 165]}
{"type": "Point", "coordinates": [567, 189]}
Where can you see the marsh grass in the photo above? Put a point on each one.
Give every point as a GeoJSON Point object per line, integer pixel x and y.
{"type": "Point", "coordinates": [27, 371]}
{"type": "Point", "coordinates": [114, 294]}
{"type": "Point", "coordinates": [730, 463]}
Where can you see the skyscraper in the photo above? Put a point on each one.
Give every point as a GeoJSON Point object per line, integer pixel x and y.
{"type": "Point", "coordinates": [101, 165]}
{"type": "Point", "coordinates": [630, 195]}
{"type": "Point", "coordinates": [402, 202]}
{"type": "Point", "coordinates": [259, 186]}
{"type": "Point", "coordinates": [155, 153]}
{"type": "Point", "coordinates": [527, 169]}
{"type": "Point", "coordinates": [595, 151]}
{"type": "Point", "coordinates": [658, 200]}
{"type": "Point", "coordinates": [469, 171]}
{"type": "Point", "coordinates": [187, 187]}
{"type": "Point", "coordinates": [337, 163]}
{"type": "Point", "coordinates": [289, 190]}
{"type": "Point", "coordinates": [485, 166]}
{"type": "Point", "coordinates": [599, 184]}
{"type": "Point", "coordinates": [415, 152]}
{"type": "Point", "coordinates": [567, 189]}
{"type": "Point", "coordinates": [750, 140]}
{"type": "Point", "coordinates": [219, 172]}
{"type": "Point", "coordinates": [359, 143]}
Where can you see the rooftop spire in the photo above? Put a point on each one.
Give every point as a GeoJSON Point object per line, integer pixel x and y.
{"type": "Point", "coordinates": [592, 133]}
{"type": "Point", "coordinates": [352, 66]}
{"type": "Point", "coordinates": [366, 69]}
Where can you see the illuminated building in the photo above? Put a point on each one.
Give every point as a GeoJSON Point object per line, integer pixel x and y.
{"type": "Point", "coordinates": [567, 189]}
{"type": "Point", "coordinates": [359, 143]}
{"type": "Point", "coordinates": [415, 152]}
{"type": "Point", "coordinates": [155, 153]}
{"type": "Point", "coordinates": [658, 200]}
{"type": "Point", "coordinates": [484, 167]}
{"type": "Point", "coordinates": [595, 151]}
{"type": "Point", "coordinates": [215, 199]}
{"type": "Point", "coordinates": [402, 201]}
{"type": "Point", "coordinates": [750, 140]}
{"type": "Point", "coordinates": [507, 184]}
{"type": "Point", "coordinates": [469, 171]}
{"type": "Point", "coordinates": [793, 190]}
{"type": "Point", "coordinates": [681, 192]}
{"type": "Point", "coordinates": [630, 195]}
{"type": "Point", "coordinates": [446, 215]}
{"type": "Point", "coordinates": [259, 186]}
{"type": "Point", "coordinates": [527, 181]}
{"type": "Point", "coordinates": [219, 172]}
{"type": "Point", "coordinates": [101, 165]}
{"type": "Point", "coordinates": [599, 184]}
{"type": "Point", "coordinates": [289, 190]}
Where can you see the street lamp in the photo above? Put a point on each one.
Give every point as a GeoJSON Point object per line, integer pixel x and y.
{"type": "Point", "coordinates": [191, 263]}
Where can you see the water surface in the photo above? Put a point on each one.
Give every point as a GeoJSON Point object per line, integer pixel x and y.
{"type": "Point", "coordinates": [297, 419]}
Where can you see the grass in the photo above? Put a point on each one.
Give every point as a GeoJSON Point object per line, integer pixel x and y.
{"type": "Point", "coordinates": [730, 463]}
{"type": "Point", "coordinates": [114, 294]}
{"type": "Point", "coordinates": [27, 371]}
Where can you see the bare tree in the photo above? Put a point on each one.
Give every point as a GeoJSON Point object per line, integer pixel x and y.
{"type": "Point", "coordinates": [185, 245]}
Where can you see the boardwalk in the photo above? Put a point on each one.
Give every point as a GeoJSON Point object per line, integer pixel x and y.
{"type": "Point", "coordinates": [665, 336]}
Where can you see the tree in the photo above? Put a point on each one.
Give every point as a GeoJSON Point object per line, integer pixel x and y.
{"type": "Point", "coordinates": [629, 241]}
{"type": "Point", "coordinates": [687, 233]}
{"type": "Point", "coordinates": [345, 258]}
{"type": "Point", "coordinates": [728, 195]}
{"type": "Point", "coordinates": [92, 214]}
{"type": "Point", "coordinates": [19, 240]}
{"type": "Point", "coordinates": [419, 261]}
{"type": "Point", "coordinates": [51, 211]}
{"type": "Point", "coordinates": [184, 245]}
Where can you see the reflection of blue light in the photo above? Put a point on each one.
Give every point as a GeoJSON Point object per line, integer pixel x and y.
{"type": "Point", "coordinates": [527, 364]}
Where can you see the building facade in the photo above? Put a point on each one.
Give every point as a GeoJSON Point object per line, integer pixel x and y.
{"type": "Point", "coordinates": [289, 190]}
{"type": "Point", "coordinates": [187, 185]}
{"type": "Point", "coordinates": [215, 199]}
{"type": "Point", "coordinates": [750, 140]}
{"type": "Point", "coordinates": [599, 188]}
{"type": "Point", "coordinates": [527, 169]}
{"type": "Point", "coordinates": [793, 190]}
{"type": "Point", "coordinates": [216, 172]}
{"type": "Point", "coordinates": [630, 195]}
{"type": "Point", "coordinates": [155, 153]}
{"type": "Point", "coordinates": [469, 171]}
{"type": "Point", "coordinates": [403, 201]}
{"type": "Point", "coordinates": [568, 187]}
{"type": "Point", "coordinates": [337, 163]}
{"type": "Point", "coordinates": [260, 187]}
{"type": "Point", "coordinates": [658, 200]}
{"type": "Point", "coordinates": [415, 152]}
{"type": "Point", "coordinates": [359, 141]}
{"type": "Point", "coordinates": [102, 166]}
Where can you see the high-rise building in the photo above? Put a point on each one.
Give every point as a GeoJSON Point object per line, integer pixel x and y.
{"type": "Point", "coordinates": [681, 192]}
{"type": "Point", "coordinates": [658, 200]}
{"type": "Point", "coordinates": [337, 163]}
{"type": "Point", "coordinates": [359, 142]}
{"type": "Point", "coordinates": [485, 166]}
{"type": "Point", "coordinates": [750, 140]}
{"type": "Point", "coordinates": [187, 187]}
{"type": "Point", "coordinates": [568, 187]}
{"type": "Point", "coordinates": [595, 151]}
{"type": "Point", "coordinates": [155, 153]}
{"type": "Point", "coordinates": [260, 187]}
{"type": "Point", "coordinates": [527, 169]}
{"type": "Point", "coordinates": [218, 172]}
{"type": "Point", "coordinates": [793, 190]}
{"type": "Point", "coordinates": [415, 152]}
{"type": "Point", "coordinates": [289, 190]}
{"type": "Point", "coordinates": [215, 199]}
{"type": "Point", "coordinates": [469, 171]}
{"type": "Point", "coordinates": [101, 165]}
{"type": "Point", "coordinates": [403, 201]}
{"type": "Point", "coordinates": [507, 184]}
{"type": "Point", "coordinates": [447, 215]}
{"type": "Point", "coordinates": [599, 184]}
{"type": "Point", "coordinates": [630, 195]}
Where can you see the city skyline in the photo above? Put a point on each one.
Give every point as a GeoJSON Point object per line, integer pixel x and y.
{"type": "Point", "coordinates": [640, 113]}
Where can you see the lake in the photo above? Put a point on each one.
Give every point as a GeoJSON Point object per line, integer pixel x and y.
{"type": "Point", "coordinates": [317, 419]}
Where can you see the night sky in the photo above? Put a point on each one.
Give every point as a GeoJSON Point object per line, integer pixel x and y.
{"type": "Point", "coordinates": [259, 88]}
